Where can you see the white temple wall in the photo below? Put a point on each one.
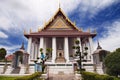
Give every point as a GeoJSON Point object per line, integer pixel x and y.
{"type": "Point", "coordinates": [44, 46]}
{"type": "Point", "coordinates": [36, 50]}
{"type": "Point", "coordinates": [32, 53]}
{"type": "Point", "coordinates": [91, 47]}
{"type": "Point", "coordinates": [29, 48]}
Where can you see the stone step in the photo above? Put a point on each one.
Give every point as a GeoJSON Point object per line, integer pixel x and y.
{"type": "Point", "coordinates": [16, 70]}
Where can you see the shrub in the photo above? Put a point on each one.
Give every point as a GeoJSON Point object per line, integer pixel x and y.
{"type": "Point", "coordinates": [94, 76]}
{"type": "Point", "coordinates": [35, 76]}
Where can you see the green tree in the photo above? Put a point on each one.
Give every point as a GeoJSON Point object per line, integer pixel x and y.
{"type": "Point", "coordinates": [112, 63]}
{"type": "Point", "coordinates": [49, 52]}
{"type": "Point", "coordinates": [81, 54]}
{"type": "Point", "coordinates": [2, 53]}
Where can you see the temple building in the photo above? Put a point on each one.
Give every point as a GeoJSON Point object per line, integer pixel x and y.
{"type": "Point", "coordinates": [98, 57]}
{"type": "Point", "coordinates": [59, 34]}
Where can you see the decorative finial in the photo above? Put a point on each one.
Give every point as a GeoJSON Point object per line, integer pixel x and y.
{"type": "Point", "coordinates": [89, 30]}
{"type": "Point", "coordinates": [81, 29]}
{"type": "Point", "coordinates": [30, 30]}
{"type": "Point", "coordinates": [74, 23]}
{"type": "Point", "coordinates": [59, 4]}
{"type": "Point", "coordinates": [39, 29]}
{"type": "Point", "coordinates": [99, 47]}
{"type": "Point", "coordinates": [95, 31]}
{"type": "Point", "coordinates": [24, 31]}
{"type": "Point", "coordinates": [22, 47]}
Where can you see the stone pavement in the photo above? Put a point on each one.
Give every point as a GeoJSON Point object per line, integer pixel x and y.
{"type": "Point", "coordinates": [61, 77]}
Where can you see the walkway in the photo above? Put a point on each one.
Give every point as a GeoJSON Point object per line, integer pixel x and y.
{"type": "Point", "coordinates": [61, 77]}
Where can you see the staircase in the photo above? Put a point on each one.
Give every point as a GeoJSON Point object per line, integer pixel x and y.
{"type": "Point", "coordinates": [16, 70]}
{"type": "Point", "coordinates": [60, 59]}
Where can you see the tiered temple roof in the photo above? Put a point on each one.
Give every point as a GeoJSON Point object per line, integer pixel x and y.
{"type": "Point", "coordinates": [60, 25]}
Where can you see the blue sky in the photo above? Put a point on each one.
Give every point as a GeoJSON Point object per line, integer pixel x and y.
{"type": "Point", "coordinates": [17, 15]}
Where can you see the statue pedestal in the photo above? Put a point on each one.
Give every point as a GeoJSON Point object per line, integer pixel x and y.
{"type": "Point", "coordinates": [60, 56]}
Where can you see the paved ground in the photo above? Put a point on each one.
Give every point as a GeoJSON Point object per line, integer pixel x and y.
{"type": "Point", "coordinates": [61, 77]}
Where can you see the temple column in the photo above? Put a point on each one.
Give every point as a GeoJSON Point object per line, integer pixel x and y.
{"type": "Point", "coordinates": [66, 49]}
{"type": "Point", "coordinates": [91, 47]}
{"type": "Point", "coordinates": [29, 47]}
{"type": "Point", "coordinates": [40, 45]}
{"type": "Point", "coordinates": [54, 49]}
{"type": "Point", "coordinates": [44, 46]}
{"type": "Point", "coordinates": [33, 51]}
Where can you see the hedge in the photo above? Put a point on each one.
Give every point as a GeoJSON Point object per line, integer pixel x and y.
{"type": "Point", "coordinates": [94, 76]}
{"type": "Point", "coordinates": [35, 76]}
{"type": "Point", "coordinates": [7, 78]}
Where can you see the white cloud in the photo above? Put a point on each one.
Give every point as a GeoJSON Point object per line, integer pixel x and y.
{"type": "Point", "coordinates": [32, 13]}
{"type": "Point", "coordinates": [111, 38]}
{"type": "Point", "coordinates": [92, 7]}
{"type": "Point", "coordinates": [3, 35]}
{"type": "Point", "coordinates": [23, 14]}
{"type": "Point", "coordinates": [16, 15]}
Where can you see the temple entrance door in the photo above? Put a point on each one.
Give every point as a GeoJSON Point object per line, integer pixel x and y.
{"type": "Point", "coordinates": [60, 54]}
{"type": "Point", "coordinates": [17, 60]}
{"type": "Point", "coordinates": [60, 50]}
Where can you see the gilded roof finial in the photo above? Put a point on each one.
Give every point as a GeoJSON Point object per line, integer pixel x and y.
{"type": "Point", "coordinates": [39, 29]}
{"type": "Point", "coordinates": [24, 31]}
{"type": "Point", "coordinates": [45, 23]}
{"type": "Point", "coordinates": [30, 30]}
{"type": "Point", "coordinates": [89, 30]}
{"type": "Point", "coordinates": [74, 23]}
{"type": "Point", "coordinates": [81, 29]}
{"type": "Point", "coordinates": [95, 31]}
{"type": "Point", "coordinates": [59, 4]}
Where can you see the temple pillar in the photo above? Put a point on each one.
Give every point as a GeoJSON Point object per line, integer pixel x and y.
{"type": "Point", "coordinates": [44, 46]}
{"type": "Point", "coordinates": [33, 51]}
{"type": "Point", "coordinates": [36, 51]}
{"type": "Point", "coordinates": [41, 44]}
{"type": "Point", "coordinates": [66, 49]}
{"type": "Point", "coordinates": [29, 47]}
{"type": "Point", "coordinates": [54, 49]}
{"type": "Point", "coordinates": [91, 47]}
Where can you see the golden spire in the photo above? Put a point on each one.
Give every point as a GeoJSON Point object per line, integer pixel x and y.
{"type": "Point", "coordinates": [74, 23]}
{"type": "Point", "coordinates": [59, 5]}
{"type": "Point", "coordinates": [30, 30]}
{"type": "Point", "coordinates": [24, 31]}
{"type": "Point", "coordinates": [95, 31]}
{"type": "Point", "coordinates": [80, 29]}
{"type": "Point", "coordinates": [89, 30]}
{"type": "Point", "coordinates": [39, 29]}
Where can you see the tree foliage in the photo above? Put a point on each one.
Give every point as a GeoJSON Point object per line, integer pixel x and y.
{"type": "Point", "coordinates": [112, 63]}
{"type": "Point", "coordinates": [2, 53]}
{"type": "Point", "coordinates": [79, 53]}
